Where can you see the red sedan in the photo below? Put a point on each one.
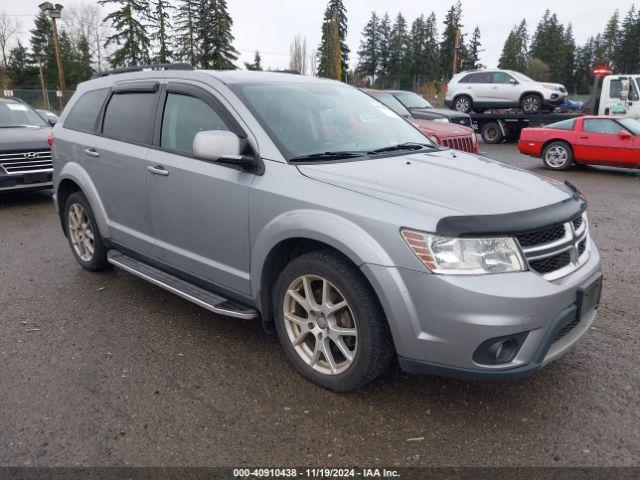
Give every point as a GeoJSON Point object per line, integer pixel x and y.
{"type": "Point", "coordinates": [593, 140]}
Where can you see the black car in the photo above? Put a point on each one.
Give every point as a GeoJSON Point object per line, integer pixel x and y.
{"type": "Point", "coordinates": [25, 154]}
{"type": "Point", "coordinates": [420, 108]}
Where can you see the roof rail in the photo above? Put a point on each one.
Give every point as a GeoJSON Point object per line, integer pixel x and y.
{"type": "Point", "coordinates": [141, 68]}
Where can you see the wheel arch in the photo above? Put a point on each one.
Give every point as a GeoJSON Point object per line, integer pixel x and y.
{"type": "Point", "coordinates": [291, 235]}
{"type": "Point", "coordinates": [530, 92]}
{"type": "Point", "coordinates": [550, 141]}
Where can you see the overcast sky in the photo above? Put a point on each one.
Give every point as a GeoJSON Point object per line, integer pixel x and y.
{"type": "Point", "coordinates": [270, 25]}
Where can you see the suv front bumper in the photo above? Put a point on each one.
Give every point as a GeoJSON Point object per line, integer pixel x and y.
{"type": "Point", "coordinates": [26, 181]}
{"type": "Point", "coordinates": [438, 322]}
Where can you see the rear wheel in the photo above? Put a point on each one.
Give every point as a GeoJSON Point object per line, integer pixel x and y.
{"type": "Point", "coordinates": [463, 103]}
{"type": "Point", "coordinates": [83, 234]}
{"type": "Point", "coordinates": [330, 323]}
{"type": "Point", "coordinates": [491, 133]}
{"type": "Point", "coordinates": [557, 156]}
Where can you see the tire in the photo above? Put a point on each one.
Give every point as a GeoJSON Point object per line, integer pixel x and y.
{"type": "Point", "coordinates": [531, 103]}
{"type": "Point", "coordinates": [491, 133]}
{"type": "Point", "coordinates": [84, 237]}
{"type": "Point", "coordinates": [463, 103]}
{"type": "Point", "coordinates": [557, 155]}
{"type": "Point", "coordinates": [305, 333]}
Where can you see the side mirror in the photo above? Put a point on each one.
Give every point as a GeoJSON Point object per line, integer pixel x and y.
{"type": "Point", "coordinates": [623, 134]}
{"type": "Point", "coordinates": [513, 81]}
{"type": "Point", "coordinates": [221, 146]}
{"type": "Point", "coordinates": [52, 121]}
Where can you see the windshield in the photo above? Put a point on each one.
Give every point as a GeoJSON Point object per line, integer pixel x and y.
{"type": "Point", "coordinates": [631, 124]}
{"type": "Point", "coordinates": [15, 114]}
{"type": "Point", "coordinates": [521, 77]}
{"type": "Point", "coordinates": [310, 118]}
{"type": "Point", "coordinates": [392, 102]}
{"type": "Point", "coordinates": [412, 100]}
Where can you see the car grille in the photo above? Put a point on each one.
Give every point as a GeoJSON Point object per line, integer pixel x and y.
{"type": "Point", "coordinates": [464, 144]}
{"type": "Point", "coordinates": [29, 161]}
{"type": "Point", "coordinates": [557, 250]}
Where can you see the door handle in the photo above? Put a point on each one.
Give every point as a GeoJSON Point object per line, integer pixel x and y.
{"type": "Point", "coordinates": [158, 170]}
{"type": "Point", "coordinates": [92, 152]}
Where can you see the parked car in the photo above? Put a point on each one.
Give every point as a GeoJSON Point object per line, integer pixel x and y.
{"type": "Point", "coordinates": [25, 155]}
{"type": "Point", "coordinates": [595, 140]}
{"type": "Point", "coordinates": [307, 203]}
{"type": "Point", "coordinates": [421, 109]}
{"type": "Point", "coordinates": [444, 134]}
{"type": "Point", "coordinates": [485, 89]}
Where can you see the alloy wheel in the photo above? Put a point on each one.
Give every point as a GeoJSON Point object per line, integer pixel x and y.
{"type": "Point", "coordinates": [462, 104]}
{"type": "Point", "coordinates": [531, 104]}
{"type": "Point", "coordinates": [556, 156]}
{"type": "Point", "coordinates": [81, 233]}
{"type": "Point", "coordinates": [320, 324]}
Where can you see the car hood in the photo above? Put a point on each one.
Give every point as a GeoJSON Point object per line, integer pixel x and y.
{"type": "Point", "coordinates": [24, 138]}
{"type": "Point", "coordinates": [441, 129]}
{"type": "Point", "coordinates": [443, 183]}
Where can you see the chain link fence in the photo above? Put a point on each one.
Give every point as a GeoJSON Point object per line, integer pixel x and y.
{"type": "Point", "coordinates": [37, 99]}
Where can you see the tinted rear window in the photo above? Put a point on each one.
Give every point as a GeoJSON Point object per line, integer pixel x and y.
{"type": "Point", "coordinates": [129, 117]}
{"type": "Point", "coordinates": [563, 125]}
{"type": "Point", "coordinates": [84, 114]}
{"type": "Point", "coordinates": [480, 77]}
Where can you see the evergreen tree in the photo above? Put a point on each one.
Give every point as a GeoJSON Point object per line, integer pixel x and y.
{"type": "Point", "coordinates": [549, 45]}
{"type": "Point", "coordinates": [566, 74]}
{"type": "Point", "coordinates": [334, 28]}
{"type": "Point", "coordinates": [584, 60]}
{"type": "Point", "coordinates": [471, 58]}
{"type": "Point", "coordinates": [42, 49]}
{"type": "Point", "coordinates": [609, 38]}
{"type": "Point", "coordinates": [384, 50]}
{"type": "Point", "coordinates": [399, 60]}
{"type": "Point", "coordinates": [215, 41]}
{"type": "Point", "coordinates": [21, 69]}
{"type": "Point", "coordinates": [257, 62]}
{"type": "Point", "coordinates": [417, 47]}
{"type": "Point", "coordinates": [161, 24]}
{"type": "Point", "coordinates": [69, 60]}
{"type": "Point", "coordinates": [131, 35]}
{"type": "Point", "coordinates": [369, 51]}
{"type": "Point", "coordinates": [185, 31]}
{"type": "Point", "coordinates": [452, 23]}
{"type": "Point", "coordinates": [431, 49]}
{"type": "Point", "coordinates": [515, 52]}
{"type": "Point", "coordinates": [627, 58]}
{"type": "Point", "coordinates": [83, 59]}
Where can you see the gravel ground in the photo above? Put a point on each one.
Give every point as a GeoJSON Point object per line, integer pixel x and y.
{"type": "Point", "coordinates": [105, 369]}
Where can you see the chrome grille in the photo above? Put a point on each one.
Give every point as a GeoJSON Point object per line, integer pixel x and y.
{"type": "Point", "coordinates": [557, 250]}
{"type": "Point", "coordinates": [30, 161]}
{"type": "Point", "coordinates": [464, 144]}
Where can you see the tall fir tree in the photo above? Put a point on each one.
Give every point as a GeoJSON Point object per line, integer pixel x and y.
{"type": "Point", "coordinates": [471, 57]}
{"type": "Point", "coordinates": [610, 36]}
{"type": "Point", "coordinates": [160, 17]}
{"type": "Point", "coordinates": [627, 58]}
{"type": "Point", "coordinates": [384, 50]}
{"type": "Point", "coordinates": [399, 59]}
{"type": "Point", "coordinates": [84, 61]}
{"type": "Point", "coordinates": [185, 21]}
{"type": "Point", "coordinates": [334, 29]}
{"type": "Point", "coordinates": [369, 51]}
{"type": "Point", "coordinates": [131, 34]}
{"type": "Point", "coordinates": [431, 49]}
{"type": "Point", "coordinates": [42, 49]}
{"type": "Point", "coordinates": [21, 68]}
{"type": "Point", "coordinates": [214, 37]}
{"type": "Point", "coordinates": [452, 23]}
{"type": "Point", "coordinates": [417, 47]}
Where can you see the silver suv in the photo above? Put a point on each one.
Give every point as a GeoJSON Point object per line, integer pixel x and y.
{"type": "Point", "coordinates": [312, 206]}
{"type": "Point", "coordinates": [485, 89]}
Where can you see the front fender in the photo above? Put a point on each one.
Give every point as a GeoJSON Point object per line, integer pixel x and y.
{"type": "Point", "coordinates": [340, 233]}
{"type": "Point", "coordinates": [74, 172]}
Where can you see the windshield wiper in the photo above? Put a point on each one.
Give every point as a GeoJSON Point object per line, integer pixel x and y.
{"type": "Point", "coordinates": [403, 146]}
{"type": "Point", "coordinates": [328, 156]}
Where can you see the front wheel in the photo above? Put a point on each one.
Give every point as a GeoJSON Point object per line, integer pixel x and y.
{"type": "Point", "coordinates": [330, 322]}
{"type": "Point", "coordinates": [531, 103]}
{"type": "Point", "coordinates": [557, 156]}
{"type": "Point", "coordinates": [83, 234]}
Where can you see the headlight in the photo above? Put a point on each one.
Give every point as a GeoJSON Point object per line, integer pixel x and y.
{"type": "Point", "coordinates": [465, 256]}
{"type": "Point", "coordinates": [551, 87]}
{"type": "Point", "coordinates": [441, 119]}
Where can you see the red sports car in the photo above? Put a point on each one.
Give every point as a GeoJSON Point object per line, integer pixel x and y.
{"type": "Point", "coordinates": [593, 140]}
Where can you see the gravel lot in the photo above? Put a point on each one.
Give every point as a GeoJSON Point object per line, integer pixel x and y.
{"type": "Point", "coordinates": [105, 369]}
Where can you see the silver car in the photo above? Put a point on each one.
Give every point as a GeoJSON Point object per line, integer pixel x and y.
{"type": "Point", "coordinates": [485, 89]}
{"type": "Point", "coordinates": [312, 206]}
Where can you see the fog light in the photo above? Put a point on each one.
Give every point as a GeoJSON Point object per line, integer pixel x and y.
{"type": "Point", "coordinates": [499, 349]}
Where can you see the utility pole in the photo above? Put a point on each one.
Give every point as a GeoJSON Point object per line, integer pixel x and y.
{"type": "Point", "coordinates": [54, 12]}
{"type": "Point", "coordinates": [45, 94]}
{"type": "Point", "coordinates": [457, 49]}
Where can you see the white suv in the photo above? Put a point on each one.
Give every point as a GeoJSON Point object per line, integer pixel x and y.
{"type": "Point", "coordinates": [481, 90]}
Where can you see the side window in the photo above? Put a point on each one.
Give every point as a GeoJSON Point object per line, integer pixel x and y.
{"type": "Point", "coordinates": [129, 117]}
{"type": "Point", "coordinates": [501, 77]}
{"type": "Point", "coordinates": [183, 117]}
{"type": "Point", "coordinates": [615, 87]}
{"type": "Point", "coordinates": [563, 125]}
{"type": "Point", "coordinates": [467, 79]}
{"type": "Point", "coordinates": [633, 91]}
{"type": "Point", "coordinates": [84, 114]}
{"type": "Point", "coordinates": [601, 125]}
{"type": "Point", "coordinates": [480, 77]}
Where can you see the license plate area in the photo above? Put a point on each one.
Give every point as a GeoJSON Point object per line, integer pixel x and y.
{"type": "Point", "coordinates": [589, 297]}
{"type": "Point", "coordinates": [30, 178]}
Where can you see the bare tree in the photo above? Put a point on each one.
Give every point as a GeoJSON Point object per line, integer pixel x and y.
{"type": "Point", "coordinates": [9, 28]}
{"type": "Point", "coordinates": [84, 19]}
{"type": "Point", "coordinates": [313, 59]}
{"type": "Point", "coordinates": [298, 56]}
